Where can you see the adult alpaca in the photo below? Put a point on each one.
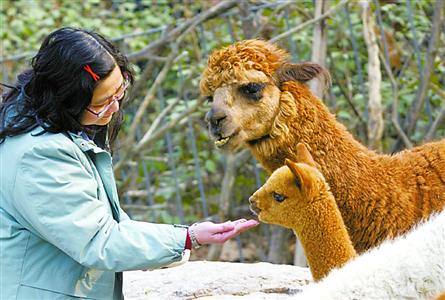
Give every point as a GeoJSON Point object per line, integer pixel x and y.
{"type": "Point", "coordinates": [260, 102]}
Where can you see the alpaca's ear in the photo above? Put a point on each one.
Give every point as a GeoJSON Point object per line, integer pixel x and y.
{"type": "Point", "coordinates": [302, 72]}
{"type": "Point", "coordinates": [302, 180]}
{"type": "Point", "coordinates": [304, 156]}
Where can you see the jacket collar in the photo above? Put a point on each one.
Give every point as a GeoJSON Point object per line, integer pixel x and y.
{"type": "Point", "coordinates": [85, 145]}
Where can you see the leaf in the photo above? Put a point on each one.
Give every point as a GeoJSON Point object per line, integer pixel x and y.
{"type": "Point", "coordinates": [344, 115]}
{"type": "Point", "coordinates": [210, 166]}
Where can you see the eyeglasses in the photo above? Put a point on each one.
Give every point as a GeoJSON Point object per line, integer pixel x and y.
{"type": "Point", "coordinates": [116, 97]}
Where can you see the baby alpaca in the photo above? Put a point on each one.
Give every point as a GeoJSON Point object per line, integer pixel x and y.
{"type": "Point", "coordinates": [410, 267]}
{"type": "Point", "coordinates": [297, 196]}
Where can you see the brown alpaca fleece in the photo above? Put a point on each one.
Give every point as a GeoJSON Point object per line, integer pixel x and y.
{"type": "Point", "coordinates": [441, 296]}
{"type": "Point", "coordinates": [297, 196]}
{"type": "Point", "coordinates": [379, 196]}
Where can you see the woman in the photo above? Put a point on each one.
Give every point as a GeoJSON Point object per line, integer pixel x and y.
{"type": "Point", "coordinates": [62, 231]}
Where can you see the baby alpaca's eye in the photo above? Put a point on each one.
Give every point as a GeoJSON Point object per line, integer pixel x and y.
{"type": "Point", "coordinates": [209, 99]}
{"type": "Point", "coordinates": [278, 197]}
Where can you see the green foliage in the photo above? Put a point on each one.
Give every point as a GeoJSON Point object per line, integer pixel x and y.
{"type": "Point", "coordinates": [25, 23]}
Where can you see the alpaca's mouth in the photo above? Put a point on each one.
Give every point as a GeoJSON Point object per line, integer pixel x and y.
{"type": "Point", "coordinates": [222, 141]}
{"type": "Point", "coordinates": [254, 209]}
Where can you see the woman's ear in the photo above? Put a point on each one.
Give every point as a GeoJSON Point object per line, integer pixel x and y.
{"type": "Point", "coordinates": [302, 72]}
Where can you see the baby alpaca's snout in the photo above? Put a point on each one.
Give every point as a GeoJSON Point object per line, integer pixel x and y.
{"type": "Point", "coordinates": [253, 206]}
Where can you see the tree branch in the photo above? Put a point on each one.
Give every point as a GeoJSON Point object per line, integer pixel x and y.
{"type": "Point", "coordinates": [307, 23]}
{"type": "Point", "coordinates": [136, 150]}
{"type": "Point", "coordinates": [419, 99]}
{"type": "Point", "coordinates": [440, 117]}
{"type": "Point", "coordinates": [173, 34]}
{"type": "Point", "coordinates": [158, 120]}
{"type": "Point", "coordinates": [149, 96]}
{"type": "Point", "coordinates": [395, 106]}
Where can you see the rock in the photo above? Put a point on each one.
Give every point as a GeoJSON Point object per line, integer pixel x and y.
{"type": "Point", "coordinates": [217, 281]}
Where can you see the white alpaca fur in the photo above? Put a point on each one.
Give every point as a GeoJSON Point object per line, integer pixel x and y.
{"type": "Point", "coordinates": [410, 267]}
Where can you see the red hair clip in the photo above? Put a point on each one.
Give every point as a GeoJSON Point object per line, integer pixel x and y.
{"type": "Point", "coordinates": [94, 75]}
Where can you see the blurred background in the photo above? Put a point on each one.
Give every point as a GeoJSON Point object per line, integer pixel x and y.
{"type": "Point", "coordinates": [386, 59]}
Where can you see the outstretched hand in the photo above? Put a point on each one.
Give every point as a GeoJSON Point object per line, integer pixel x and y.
{"type": "Point", "coordinates": [211, 233]}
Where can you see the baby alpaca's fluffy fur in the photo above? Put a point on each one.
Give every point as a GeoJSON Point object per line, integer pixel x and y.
{"type": "Point", "coordinates": [297, 196]}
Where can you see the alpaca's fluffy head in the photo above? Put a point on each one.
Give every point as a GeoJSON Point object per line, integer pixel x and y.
{"type": "Point", "coordinates": [287, 193]}
{"type": "Point", "coordinates": [244, 83]}
{"type": "Point", "coordinates": [290, 190]}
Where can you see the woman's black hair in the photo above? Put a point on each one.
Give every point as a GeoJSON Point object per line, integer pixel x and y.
{"type": "Point", "coordinates": [54, 93]}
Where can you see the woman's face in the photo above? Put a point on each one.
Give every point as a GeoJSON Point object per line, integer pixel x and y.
{"type": "Point", "coordinates": [105, 92]}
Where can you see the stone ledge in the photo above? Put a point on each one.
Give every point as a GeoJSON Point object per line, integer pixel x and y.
{"type": "Point", "coordinates": [217, 281]}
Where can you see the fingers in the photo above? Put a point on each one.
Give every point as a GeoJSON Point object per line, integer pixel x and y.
{"type": "Point", "coordinates": [222, 237]}
{"type": "Point", "coordinates": [240, 226]}
{"type": "Point", "coordinates": [224, 227]}
{"type": "Point", "coordinates": [239, 221]}
{"type": "Point", "coordinates": [243, 226]}
{"type": "Point", "coordinates": [210, 233]}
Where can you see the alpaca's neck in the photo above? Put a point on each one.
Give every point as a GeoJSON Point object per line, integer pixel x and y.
{"type": "Point", "coordinates": [335, 150]}
{"type": "Point", "coordinates": [325, 239]}
{"type": "Point", "coordinates": [331, 145]}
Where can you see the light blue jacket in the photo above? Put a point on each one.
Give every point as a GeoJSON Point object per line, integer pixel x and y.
{"type": "Point", "coordinates": [63, 234]}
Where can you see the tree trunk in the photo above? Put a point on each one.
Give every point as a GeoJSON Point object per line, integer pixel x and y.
{"type": "Point", "coordinates": [224, 201]}
{"type": "Point", "coordinates": [233, 162]}
{"type": "Point", "coordinates": [247, 24]}
{"type": "Point", "coordinates": [375, 116]}
{"type": "Point", "coordinates": [319, 44]}
{"type": "Point", "coordinates": [299, 256]}
{"type": "Point", "coordinates": [278, 251]}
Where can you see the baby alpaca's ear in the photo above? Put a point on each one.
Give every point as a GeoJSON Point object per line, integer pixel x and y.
{"type": "Point", "coordinates": [302, 72]}
{"type": "Point", "coordinates": [304, 156]}
{"type": "Point", "coordinates": [302, 178]}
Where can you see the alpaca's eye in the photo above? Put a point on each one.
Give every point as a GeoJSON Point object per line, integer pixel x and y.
{"type": "Point", "coordinates": [209, 99]}
{"type": "Point", "coordinates": [252, 90]}
{"type": "Point", "coordinates": [278, 197]}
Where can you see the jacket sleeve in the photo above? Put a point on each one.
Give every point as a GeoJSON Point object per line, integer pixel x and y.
{"type": "Point", "coordinates": [56, 196]}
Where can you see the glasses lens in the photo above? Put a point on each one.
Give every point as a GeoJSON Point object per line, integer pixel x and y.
{"type": "Point", "coordinates": [106, 108]}
{"type": "Point", "coordinates": [117, 97]}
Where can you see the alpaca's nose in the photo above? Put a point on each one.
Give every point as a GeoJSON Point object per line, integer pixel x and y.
{"type": "Point", "coordinates": [215, 117]}
{"type": "Point", "coordinates": [253, 207]}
